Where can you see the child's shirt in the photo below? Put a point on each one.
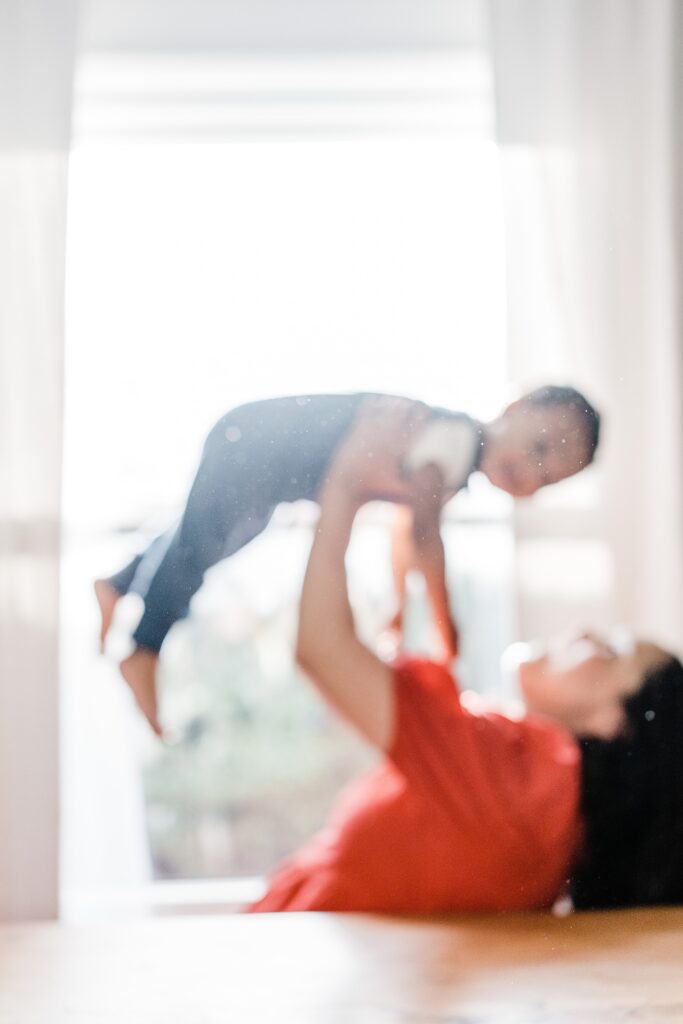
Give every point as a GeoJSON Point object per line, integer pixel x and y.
{"type": "Point", "coordinates": [468, 811]}
{"type": "Point", "coordinates": [450, 441]}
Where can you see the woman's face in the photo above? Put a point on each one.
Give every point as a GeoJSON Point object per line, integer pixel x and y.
{"type": "Point", "coordinates": [582, 681]}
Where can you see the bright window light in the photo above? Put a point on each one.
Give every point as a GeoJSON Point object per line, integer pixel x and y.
{"type": "Point", "coordinates": [357, 247]}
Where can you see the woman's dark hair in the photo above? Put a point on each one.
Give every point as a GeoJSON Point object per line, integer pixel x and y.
{"type": "Point", "coordinates": [632, 802]}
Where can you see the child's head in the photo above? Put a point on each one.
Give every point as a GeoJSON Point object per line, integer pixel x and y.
{"type": "Point", "coordinates": [549, 434]}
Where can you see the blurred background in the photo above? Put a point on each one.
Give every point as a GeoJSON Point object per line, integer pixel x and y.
{"type": "Point", "coordinates": [206, 203]}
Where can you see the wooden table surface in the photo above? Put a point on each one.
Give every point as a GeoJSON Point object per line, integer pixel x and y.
{"type": "Point", "coordinates": [347, 969]}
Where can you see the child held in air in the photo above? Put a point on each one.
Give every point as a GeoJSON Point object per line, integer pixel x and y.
{"type": "Point", "coordinates": [278, 450]}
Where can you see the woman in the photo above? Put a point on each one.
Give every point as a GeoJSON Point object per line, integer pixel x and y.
{"type": "Point", "coordinates": [470, 810]}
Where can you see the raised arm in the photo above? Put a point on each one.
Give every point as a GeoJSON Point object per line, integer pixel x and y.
{"type": "Point", "coordinates": [417, 544]}
{"type": "Point", "coordinates": [350, 676]}
{"type": "Point", "coordinates": [347, 673]}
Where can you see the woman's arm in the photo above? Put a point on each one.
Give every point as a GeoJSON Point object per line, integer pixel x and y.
{"type": "Point", "coordinates": [403, 559]}
{"type": "Point", "coordinates": [417, 544]}
{"type": "Point", "coordinates": [350, 676]}
{"type": "Point", "coordinates": [428, 502]}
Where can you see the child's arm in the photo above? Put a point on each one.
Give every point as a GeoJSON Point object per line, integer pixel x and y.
{"type": "Point", "coordinates": [417, 544]}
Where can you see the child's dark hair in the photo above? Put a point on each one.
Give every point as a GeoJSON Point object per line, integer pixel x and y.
{"type": "Point", "coordinates": [632, 802]}
{"type": "Point", "coordinates": [570, 398]}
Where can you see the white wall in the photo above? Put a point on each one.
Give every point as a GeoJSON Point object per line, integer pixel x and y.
{"type": "Point", "coordinates": [36, 60]}
{"type": "Point", "coordinates": [310, 25]}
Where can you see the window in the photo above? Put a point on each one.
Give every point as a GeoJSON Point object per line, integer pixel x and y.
{"type": "Point", "coordinates": [239, 229]}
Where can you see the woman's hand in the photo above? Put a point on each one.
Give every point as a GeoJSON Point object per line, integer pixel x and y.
{"type": "Point", "coordinates": [369, 461]}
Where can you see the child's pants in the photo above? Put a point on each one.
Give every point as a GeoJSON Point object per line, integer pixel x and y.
{"type": "Point", "coordinates": [255, 457]}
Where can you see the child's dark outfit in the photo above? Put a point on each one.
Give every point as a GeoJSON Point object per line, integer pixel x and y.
{"type": "Point", "coordinates": [254, 458]}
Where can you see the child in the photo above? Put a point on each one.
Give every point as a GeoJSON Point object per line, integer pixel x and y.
{"type": "Point", "coordinates": [467, 809]}
{"type": "Point", "coordinates": [268, 452]}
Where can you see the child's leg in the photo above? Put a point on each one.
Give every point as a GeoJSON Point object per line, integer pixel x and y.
{"type": "Point", "coordinates": [107, 599]}
{"type": "Point", "coordinates": [228, 506]}
{"type": "Point", "coordinates": [133, 577]}
{"type": "Point", "coordinates": [108, 591]}
{"type": "Point", "coordinates": [179, 576]}
{"type": "Point", "coordinates": [121, 581]}
{"type": "Point", "coordinates": [195, 546]}
{"type": "Point", "coordinates": [139, 670]}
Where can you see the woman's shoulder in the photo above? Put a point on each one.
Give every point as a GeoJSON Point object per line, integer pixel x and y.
{"type": "Point", "coordinates": [419, 679]}
{"type": "Point", "coordinates": [425, 674]}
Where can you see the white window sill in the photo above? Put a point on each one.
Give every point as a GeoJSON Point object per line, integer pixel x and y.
{"type": "Point", "coordinates": [157, 899]}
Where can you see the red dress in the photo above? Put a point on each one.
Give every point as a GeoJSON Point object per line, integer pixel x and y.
{"type": "Point", "coordinates": [468, 811]}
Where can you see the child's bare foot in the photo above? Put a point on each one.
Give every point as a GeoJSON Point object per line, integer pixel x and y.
{"type": "Point", "coordinates": [139, 670]}
{"type": "Point", "coordinates": [107, 598]}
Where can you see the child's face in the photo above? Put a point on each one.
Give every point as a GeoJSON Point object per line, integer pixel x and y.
{"type": "Point", "coordinates": [532, 445]}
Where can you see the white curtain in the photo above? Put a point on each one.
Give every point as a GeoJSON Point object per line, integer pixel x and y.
{"type": "Point", "coordinates": [36, 61]}
{"type": "Point", "coordinates": [589, 113]}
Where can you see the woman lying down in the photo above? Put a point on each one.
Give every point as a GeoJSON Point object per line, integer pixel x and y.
{"type": "Point", "coordinates": [473, 810]}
